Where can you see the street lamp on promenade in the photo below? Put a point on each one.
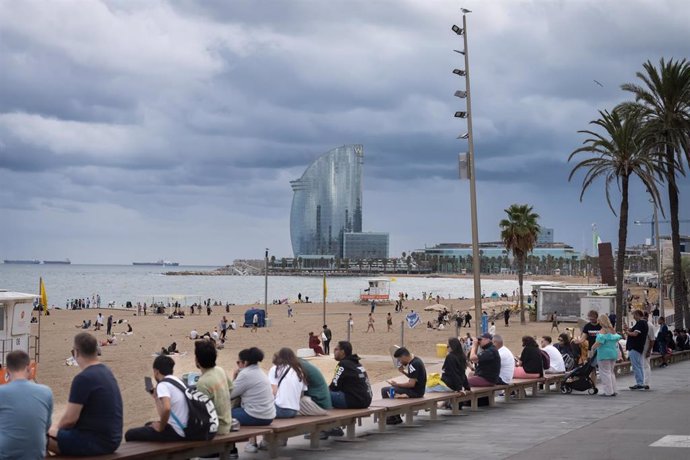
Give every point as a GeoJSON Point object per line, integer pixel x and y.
{"type": "Point", "coordinates": [466, 163]}
{"type": "Point", "coordinates": [266, 283]}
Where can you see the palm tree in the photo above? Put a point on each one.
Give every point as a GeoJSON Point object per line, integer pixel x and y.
{"type": "Point", "coordinates": [621, 152]}
{"type": "Point", "coordinates": [664, 99]}
{"type": "Point", "coordinates": [668, 272]}
{"type": "Point", "coordinates": [519, 234]}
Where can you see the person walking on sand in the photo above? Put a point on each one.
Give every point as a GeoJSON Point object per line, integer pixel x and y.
{"type": "Point", "coordinates": [506, 316]}
{"type": "Point", "coordinates": [255, 322]}
{"type": "Point", "coordinates": [373, 306]}
{"type": "Point", "coordinates": [468, 318]}
{"type": "Point", "coordinates": [351, 322]}
{"type": "Point", "coordinates": [554, 322]}
{"type": "Point", "coordinates": [109, 328]}
{"type": "Point", "coordinates": [370, 326]}
{"type": "Point", "coordinates": [389, 322]}
{"type": "Point", "coordinates": [326, 336]}
{"type": "Point", "coordinates": [289, 311]}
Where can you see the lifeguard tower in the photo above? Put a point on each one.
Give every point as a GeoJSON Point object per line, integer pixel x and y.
{"type": "Point", "coordinates": [379, 290]}
{"type": "Point", "coordinates": [15, 328]}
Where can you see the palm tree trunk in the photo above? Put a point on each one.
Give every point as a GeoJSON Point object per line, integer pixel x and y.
{"type": "Point", "coordinates": [521, 271]}
{"type": "Point", "coordinates": [680, 295]}
{"type": "Point", "coordinates": [620, 260]}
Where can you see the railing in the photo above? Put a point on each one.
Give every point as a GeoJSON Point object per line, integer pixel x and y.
{"type": "Point", "coordinates": [8, 345]}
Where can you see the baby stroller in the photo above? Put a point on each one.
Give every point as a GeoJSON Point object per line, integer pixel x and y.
{"type": "Point", "coordinates": [578, 379]}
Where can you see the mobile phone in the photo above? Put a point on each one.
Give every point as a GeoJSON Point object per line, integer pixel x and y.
{"type": "Point", "coordinates": [148, 384]}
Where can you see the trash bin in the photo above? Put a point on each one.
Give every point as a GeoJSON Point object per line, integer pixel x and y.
{"type": "Point", "coordinates": [441, 350]}
{"type": "Point", "coordinates": [268, 322]}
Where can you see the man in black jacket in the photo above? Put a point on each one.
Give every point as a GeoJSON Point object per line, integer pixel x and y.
{"type": "Point", "coordinates": [350, 388]}
{"type": "Point", "coordinates": [488, 362]}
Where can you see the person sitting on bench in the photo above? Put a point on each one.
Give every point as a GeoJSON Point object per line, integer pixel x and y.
{"type": "Point", "coordinates": [171, 405]}
{"type": "Point", "coordinates": [252, 387]}
{"type": "Point", "coordinates": [488, 363]}
{"type": "Point", "coordinates": [350, 388]}
{"type": "Point", "coordinates": [416, 380]}
{"type": "Point", "coordinates": [530, 365]}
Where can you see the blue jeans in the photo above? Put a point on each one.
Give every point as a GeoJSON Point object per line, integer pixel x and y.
{"type": "Point", "coordinates": [247, 420]}
{"type": "Point", "coordinates": [338, 400]}
{"type": "Point", "coordinates": [285, 413]}
{"type": "Point", "coordinates": [636, 361]}
{"type": "Point", "coordinates": [75, 442]}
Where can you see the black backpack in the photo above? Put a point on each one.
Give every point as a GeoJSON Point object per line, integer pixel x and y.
{"type": "Point", "coordinates": [202, 424]}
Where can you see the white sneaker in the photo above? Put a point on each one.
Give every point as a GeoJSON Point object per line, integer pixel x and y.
{"type": "Point", "coordinates": [251, 448]}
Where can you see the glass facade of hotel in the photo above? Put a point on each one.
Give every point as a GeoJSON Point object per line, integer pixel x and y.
{"type": "Point", "coordinates": [327, 202]}
{"type": "Point", "coordinates": [369, 245]}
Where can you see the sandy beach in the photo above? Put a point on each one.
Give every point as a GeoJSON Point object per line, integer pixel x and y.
{"type": "Point", "coordinates": [131, 358]}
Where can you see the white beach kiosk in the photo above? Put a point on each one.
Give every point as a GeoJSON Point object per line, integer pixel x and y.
{"type": "Point", "coordinates": [15, 328]}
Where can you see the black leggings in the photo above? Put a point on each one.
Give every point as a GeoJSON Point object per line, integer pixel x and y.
{"type": "Point", "coordinates": [147, 433]}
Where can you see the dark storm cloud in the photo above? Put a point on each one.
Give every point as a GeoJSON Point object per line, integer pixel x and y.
{"type": "Point", "coordinates": [129, 112]}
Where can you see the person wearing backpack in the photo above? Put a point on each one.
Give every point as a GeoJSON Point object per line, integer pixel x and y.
{"type": "Point", "coordinates": [530, 365]}
{"type": "Point", "coordinates": [171, 405]}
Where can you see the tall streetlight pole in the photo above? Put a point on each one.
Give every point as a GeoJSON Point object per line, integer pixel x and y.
{"type": "Point", "coordinates": [470, 171]}
{"type": "Point", "coordinates": [266, 283]}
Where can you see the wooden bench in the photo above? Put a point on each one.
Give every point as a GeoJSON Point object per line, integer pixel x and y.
{"type": "Point", "coordinates": [408, 406]}
{"type": "Point", "coordinates": [282, 429]}
{"type": "Point", "coordinates": [138, 450]}
{"type": "Point", "coordinates": [520, 386]}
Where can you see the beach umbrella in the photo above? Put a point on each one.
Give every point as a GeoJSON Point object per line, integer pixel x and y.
{"type": "Point", "coordinates": [436, 307]}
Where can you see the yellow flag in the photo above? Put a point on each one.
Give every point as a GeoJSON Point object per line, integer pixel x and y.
{"type": "Point", "coordinates": [325, 287]}
{"type": "Point", "coordinates": [43, 294]}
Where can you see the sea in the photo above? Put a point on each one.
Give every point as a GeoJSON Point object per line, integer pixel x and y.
{"type": "Point", "coordinates": [122, 283]}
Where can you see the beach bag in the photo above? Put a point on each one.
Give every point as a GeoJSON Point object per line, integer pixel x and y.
{"type": "Point", "coordinates": [434, 379]}
{"type": "Point", "coordinates": [307, 406]}
{"type": "Point", "coordinates": [202, 424]}
{"type": "Point", "coordinates": [545, 360]}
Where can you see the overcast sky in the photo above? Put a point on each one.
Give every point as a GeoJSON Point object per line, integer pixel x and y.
{"type": "Point", "coordinates": [141, 130]}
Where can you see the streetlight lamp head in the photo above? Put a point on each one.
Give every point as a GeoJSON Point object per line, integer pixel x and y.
{"type": "Point", "coordinates": [461, 94]}
{"type": "Point", "coordinates": [459, 52]}
{"type": "Point", "coordinates": [459, 72]}
{"type": "Point", "coordinates": [457, 30]}
{"type": "Point", "coordinates": [460, 114]}
{"type": "Point", "coordinates": [465, 10]}
{"type": "Point", "coordinates": [464, 136]}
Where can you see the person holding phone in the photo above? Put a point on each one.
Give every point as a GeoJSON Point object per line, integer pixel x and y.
{"type": "Point", "coordinates": [171, 406]}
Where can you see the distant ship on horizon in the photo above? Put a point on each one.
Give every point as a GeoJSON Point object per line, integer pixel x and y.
{"type": "Point", "coordinates": [57, 262]}
{"type": "Point", "coordinates": [22, 261]}
{"type": "Point", "coordinates": [159, 263]}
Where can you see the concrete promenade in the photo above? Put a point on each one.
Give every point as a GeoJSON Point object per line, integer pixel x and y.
{"type": "Point", "coordinates": [550, 426]}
